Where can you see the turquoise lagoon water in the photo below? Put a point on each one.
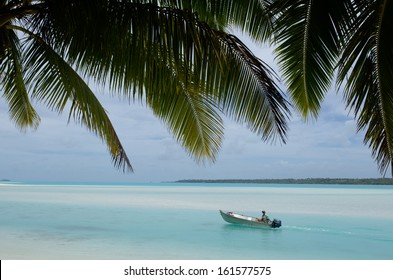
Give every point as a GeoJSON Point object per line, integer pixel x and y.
{"type": "Point", "coordinates": [181, 221]}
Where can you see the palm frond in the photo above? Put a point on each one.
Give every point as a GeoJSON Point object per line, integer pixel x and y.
{"type": "Point", "coordinates": [193, 120]}
{"type": "Point", "coordinates": [250, 16]}
{"type": "Point", "coordinates": [13, 83]}
{"type": "Point", "coordinates": [366, 67]}
{"type": "Point", "coordinates": [54, 82]}
{"type": "Point", "coordinates": [248, 92]}
{"type": "Point", "coordinates": [11, 10]}
{"type": "Point", "coordinates": [306, 33]}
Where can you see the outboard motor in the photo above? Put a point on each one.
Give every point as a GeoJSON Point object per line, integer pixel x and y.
{"type": "Point", "coordinates": [276, 223]}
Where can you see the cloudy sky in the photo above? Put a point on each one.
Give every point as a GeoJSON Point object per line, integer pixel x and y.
{"type": "Point", "coordinates": [61, 152]}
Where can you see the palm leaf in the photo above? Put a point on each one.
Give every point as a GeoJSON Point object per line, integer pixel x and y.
{"type": "Point", "coordinates": [366, 67]}
{"type": "Point", "coordinates": [13, 85]}
{"type": "Point", "coordinates": [11, 10]}
{"type": "Point", "coordinates": [193, 120]}
{"type": "Point", "coordinates": [261, 105]}
{"type": "Point", "coordinates": [54, 82]}
{"type": "Point", "coordinates": [250, 17]}
{"type": "Point", "coordinates": [306, 33]}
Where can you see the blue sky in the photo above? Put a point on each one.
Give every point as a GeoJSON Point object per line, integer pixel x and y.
{"type": "Point", "coordinates": [57, 151]}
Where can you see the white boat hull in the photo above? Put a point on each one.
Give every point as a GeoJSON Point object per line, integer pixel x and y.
{"type": "Point", "coordinates": [240, 219]}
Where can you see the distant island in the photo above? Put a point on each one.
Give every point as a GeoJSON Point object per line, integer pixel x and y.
{"type": "Point", "coordinates": [332, 181]}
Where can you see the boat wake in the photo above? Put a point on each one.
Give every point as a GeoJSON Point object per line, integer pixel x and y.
{"type": "Point", "coordinates": [316, 229]}
{"type": "Point", "coordinates": [368, 234]}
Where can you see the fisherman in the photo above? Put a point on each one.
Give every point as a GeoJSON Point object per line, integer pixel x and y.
{"type": "Point", "coordinates": [264, 218]}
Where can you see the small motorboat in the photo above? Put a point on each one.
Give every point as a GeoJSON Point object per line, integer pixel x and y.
{"type": "Point", "coordinates": [240, 219]}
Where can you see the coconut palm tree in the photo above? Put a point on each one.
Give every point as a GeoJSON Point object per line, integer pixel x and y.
{"type": "Point", "coordinates": [344, 41]}
{"type": "Point", "coordinates": [175, 56]}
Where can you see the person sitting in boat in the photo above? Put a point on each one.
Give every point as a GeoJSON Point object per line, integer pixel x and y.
{"type": "Point", "coordinates": [264, 218]}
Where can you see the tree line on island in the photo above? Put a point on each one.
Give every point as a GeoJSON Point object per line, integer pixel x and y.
{"type": "Point", "coordinates": [332, 181]}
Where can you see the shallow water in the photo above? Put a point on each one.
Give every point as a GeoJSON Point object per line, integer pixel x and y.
{"type": "Point", "coordinates": [173, 221]}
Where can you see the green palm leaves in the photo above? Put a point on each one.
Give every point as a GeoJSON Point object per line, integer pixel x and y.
{"type": "Point", "coordinates": [20, 109]}
{"type": "Point", "coordinates": [317, 39]}
{"type": "Point", "coordinates": [307, 47]}
{"type": "Point", "coordinates": [178, 58]}
{"type": "Point", "coordinates": [367, 64]}
{"type": "Point", "coordinates": [159, 52]}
